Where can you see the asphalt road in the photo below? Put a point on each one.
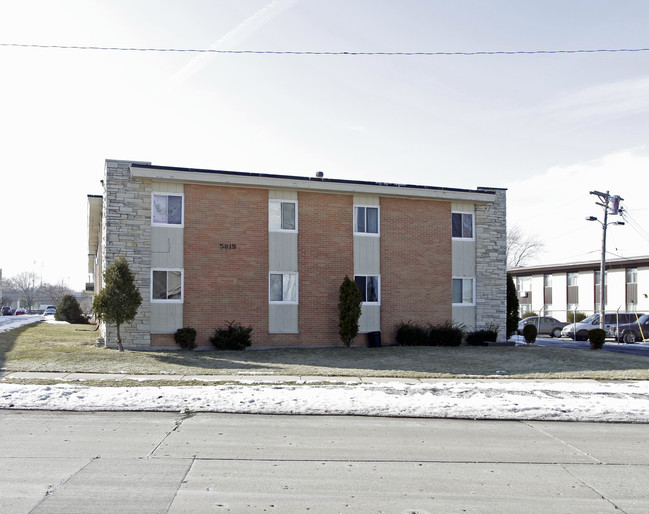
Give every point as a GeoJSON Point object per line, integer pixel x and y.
{"type": "Point", "coordinates": [609, 346]}
{"type": "Point", "coordinates": [56, 462]}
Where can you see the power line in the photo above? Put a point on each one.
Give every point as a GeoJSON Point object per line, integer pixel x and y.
{"type": "Point", "coordinates": [305, 52]}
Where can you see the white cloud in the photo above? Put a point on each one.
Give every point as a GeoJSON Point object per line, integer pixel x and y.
{"type": "Point", "coordinates": [614, 99]}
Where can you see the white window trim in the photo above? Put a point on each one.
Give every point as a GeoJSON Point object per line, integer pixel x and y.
{"type": "Point", "coordinates": [378, 221]}
{"type": "Point", "coordinates": [297, 288]}
{"type": "Point", "coordinates": [472, 304]}
{"type": "Point", "coordinates": [275, 229]}
{"type": "Point", "coordinates": [472, 238]}
{"type": "Point", "coordinates": [182, 286]}
{"type": "Point", "coordinates": [182, 214]}
{"type": "Point", "coordinates": [378, 302]}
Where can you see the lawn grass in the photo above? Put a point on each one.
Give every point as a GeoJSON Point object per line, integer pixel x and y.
{"type": "Point", "coordinates": [72, 349]}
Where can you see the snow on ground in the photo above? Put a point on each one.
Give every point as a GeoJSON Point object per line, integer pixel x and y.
{"type": "Point", "coordinates": [579, 400]}
{"type": "Point", "coordinates": [558, 400]}
{"type": "Point", "coordinates": [10, 322]}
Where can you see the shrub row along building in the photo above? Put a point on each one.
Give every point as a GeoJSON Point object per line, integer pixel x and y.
{"type": "Point", "coordinates": [208, 247]}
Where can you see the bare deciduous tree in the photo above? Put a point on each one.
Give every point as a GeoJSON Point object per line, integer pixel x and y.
{"type": "Point", "coordinates": [521, 247]}
{"type": "Point", "coordinates": [27, 283]}
{"type": "Point", "coordinates": [55, 292]}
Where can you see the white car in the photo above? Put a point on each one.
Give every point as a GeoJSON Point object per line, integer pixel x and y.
{"type": "Point", "coordinates": [50, 311]}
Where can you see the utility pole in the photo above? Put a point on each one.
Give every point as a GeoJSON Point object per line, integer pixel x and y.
{"type": "Point", "coordinates": [611, 203]}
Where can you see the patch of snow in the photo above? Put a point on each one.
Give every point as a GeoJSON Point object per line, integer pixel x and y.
{"type": "Point", "coordinates": [585, 400]}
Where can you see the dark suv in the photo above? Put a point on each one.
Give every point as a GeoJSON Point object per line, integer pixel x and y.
{"type": "Point", "coordinates": [6, 311]}
{"type": "Point", "coordinates": [632, 332]}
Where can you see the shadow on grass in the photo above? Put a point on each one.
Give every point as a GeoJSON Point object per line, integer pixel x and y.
{"type": "Point", "coordinates": [8, 340]}
{"type": "Point", "coordinates": [419, 361]}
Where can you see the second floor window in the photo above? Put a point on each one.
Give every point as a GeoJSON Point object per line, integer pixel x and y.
{"type": "Point", "coordinates": [167, 209]}
{"type": "Point", "coordinates": [462, 225]}
{"type": "Point", "coordinates": [366, 220]}
{"type": "Point", "coordinates": [282, 216]}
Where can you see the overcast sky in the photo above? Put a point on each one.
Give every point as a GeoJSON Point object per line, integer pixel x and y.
{"type": "Point", "coordinates": [549, 127]}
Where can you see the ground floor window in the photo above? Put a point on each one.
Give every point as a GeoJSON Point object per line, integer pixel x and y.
{"type": "Point", "coordinates": [167, 285]}
{"type": "Point", "coordinates": [463, 291]}
{"type": "Point", "coordinates": [282, 287]}
{"type": "Point", "coordinates": [369, 286]}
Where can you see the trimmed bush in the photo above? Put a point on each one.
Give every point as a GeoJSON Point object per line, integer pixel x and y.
{"type": "Point", "coordinates": [233, 337]}
{"type": "Point", "coordinates": [349, 310]}
{"type": "Point", "coordinates": [411, 333]}
{"type": "Point", "coordinates": [529, 333]}
{"type": "Point", "coordinates": [573, 317]}
{"type": "Point", "coordinates": [529, 314]}
{"type": "Point", "coordinates": [186, 338]}
{"type": "Point", "coordinates": [597, 337]}
{"type": "Point", "coordinates": [445, 334]}
{"type": "Point", "coordinates": [69, 310]}
{"type": "Point", "coordinates": [481, 337]}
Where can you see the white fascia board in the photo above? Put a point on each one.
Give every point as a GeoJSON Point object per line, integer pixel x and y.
{"type": "Point", "coordinates": [283, 182]}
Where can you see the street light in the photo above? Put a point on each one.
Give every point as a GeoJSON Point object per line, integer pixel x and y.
{"type": "Point", "coordinates": [612, 203]}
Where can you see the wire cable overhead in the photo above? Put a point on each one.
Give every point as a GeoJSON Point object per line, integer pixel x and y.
{"type": "Point", "coordinates": [306, 52]}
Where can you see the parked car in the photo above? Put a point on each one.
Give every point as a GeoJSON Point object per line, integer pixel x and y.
{"type": "Point", "coordinates": [19, 312]}
{"type": "Point", "coordinates": [630, 333]}
{"type": "Point", "coordinates": [544, 324]}
{"type": "Point", "coordinates": [50, 311]}
{"type": "Point", "coordinates": [611, 322]}
{"type": "Point", "coordinates": [6, 311]}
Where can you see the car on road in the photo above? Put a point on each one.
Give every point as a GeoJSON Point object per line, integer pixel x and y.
{"type": "Point", "coordinates": [50, 311]}
{"type": "Point", "coordinates": [19, 312]}
{"type": "Point", "coordinates": [630, 333]}
{"type": "Point", "coordinates": [6, 311]}
{"type": "Point", "coordinates": [544, 324]}
{"type": "Point", "coordinates": [579, 330]}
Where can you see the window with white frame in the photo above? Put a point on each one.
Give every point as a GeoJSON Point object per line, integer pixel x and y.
{"type": "Point", "coordinates": [366, 220]}
{"type": "Point", "coordinates": [370, 286]}
{"type": "Point", "coordinates": [462, 225]}
{"type": "Point", "coordinates": [282, 287]}
{"type": "Point", "coordinates": [463, 291]}
{"type": "Point", "coordinates": [167, 285]}
{"type": "Point", "coordinates": [167, 209]}
{"type": "Point", "coordinates": [282, 215]}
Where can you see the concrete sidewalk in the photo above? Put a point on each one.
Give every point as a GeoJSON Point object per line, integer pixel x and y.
{"type": "Point", "coordinates": [126, 462]}
{"type": "Point", "coordinates": [240, 378]}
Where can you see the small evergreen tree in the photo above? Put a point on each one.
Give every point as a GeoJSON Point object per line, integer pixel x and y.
{"type": "Point", "coordinates": [120, 298]}
{"type": "Point", "coordinates": [69, 310]}
{"type": "Point", "coordinates": [349, 310]}
{"type": "Point", "coordinates": [512, 307]}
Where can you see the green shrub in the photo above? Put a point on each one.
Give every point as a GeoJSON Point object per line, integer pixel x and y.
{"type": "Point", "coordinates": [528, 314]}
{"type": "Point", "coordinates": [186, 338]}
{"type": "Point", "coordinates": [411, 333]}
{"type": "Point", "coordinates": [233, 337]}
{"type": "Point", "coordinates": [69, 310]}
{"type": "Point", "coordinates": [575, 317]}
{"type": "Point", "coordinates": [529, 333]}
{"type": "Point", "coordinates": [445, 334]}
{"type": "Point", "coordinates": [482, 337]}
{"type": "Point", "coordinates": [349, 310]}
{"type": "Point", "coordinates": [512, 307]}
{"type": "Point", "coordinates": [597, 337]}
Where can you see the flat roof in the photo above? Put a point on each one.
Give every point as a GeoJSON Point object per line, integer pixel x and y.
{"type": "Point", "coordinates": [613, 263]}
{"type": "Point", "coordinates": [248, 179]}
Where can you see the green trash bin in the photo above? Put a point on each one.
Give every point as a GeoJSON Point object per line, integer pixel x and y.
{"type": "Point", "coordinates": [374, 339]}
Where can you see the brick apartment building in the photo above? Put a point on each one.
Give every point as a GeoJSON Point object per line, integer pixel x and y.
{"type": "Point", "coordinates": [208, 247]}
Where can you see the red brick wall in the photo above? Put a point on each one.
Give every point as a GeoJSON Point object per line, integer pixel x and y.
{"type": "Point", "coordinates": [416, 271]}
{"type": "Point", "coordinates": [226, 284]}
{"type": "Point", "coordinates": [325, 256]}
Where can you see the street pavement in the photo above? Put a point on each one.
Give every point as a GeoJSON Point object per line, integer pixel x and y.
{"type": "Point", "coordinates": [144, 462]}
